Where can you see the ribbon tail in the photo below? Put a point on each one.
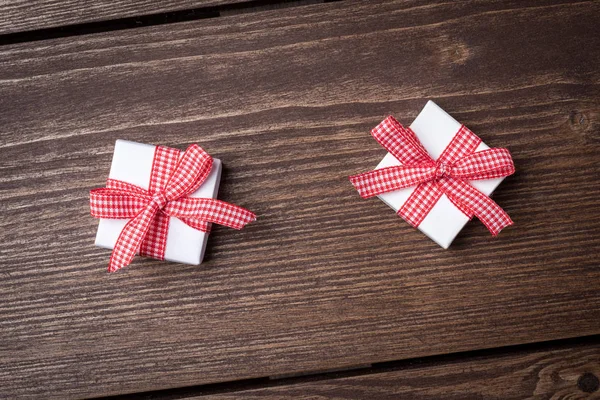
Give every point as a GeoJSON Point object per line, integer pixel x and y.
{"type": "Point", "coordinates": [209, 210]}
{"type": "Point", "coordinates": [483, 207]}
{"type": "Point", "coordinates": [131, 238]}
{"type": "Point", "coordinates": [420, 202]}
{"type": "Point", "coordinates": [226, 214]}
{"type": "Point", "coordinates": [197, 224]}
{"type": "Point", "coordinates": [154, 243]}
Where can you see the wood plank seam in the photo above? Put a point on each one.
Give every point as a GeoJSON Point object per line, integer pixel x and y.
{"type": "Point", "coordinates": [586, 382]}
{"type": "Point", "coordinates": [145, 20]}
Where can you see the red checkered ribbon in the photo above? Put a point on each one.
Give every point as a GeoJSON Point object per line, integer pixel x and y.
{"type": "Point", "coordinates": [174, 176]}
{"type": "Point", "coordinates": [447, 175]}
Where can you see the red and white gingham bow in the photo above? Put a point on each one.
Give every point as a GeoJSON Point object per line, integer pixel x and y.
{"type": "Point", "coordinates": [447, 175]}
{"type": "Point", "coordinates": [171, 180]}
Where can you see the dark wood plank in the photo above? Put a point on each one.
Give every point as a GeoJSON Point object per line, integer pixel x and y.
{"type": "Point", "coordinates": [28, 15]}
{"type": "Point", "coordinates": [323, 279]}
{"type": "Point", "coordinates": [570, 373]}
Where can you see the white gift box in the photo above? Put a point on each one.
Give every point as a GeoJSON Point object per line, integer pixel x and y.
{"type": "Point", "coordinates": [132, 163]}
{"type": "Point", "coordinates": [435, 129]}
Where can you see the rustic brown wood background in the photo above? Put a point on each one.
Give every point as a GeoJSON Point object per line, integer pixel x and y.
{"type": "Point", "coordinates": [323, 280]}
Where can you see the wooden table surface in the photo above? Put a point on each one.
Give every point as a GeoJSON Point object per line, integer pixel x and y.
{"type": "Point", "coordinates": [285, 94]}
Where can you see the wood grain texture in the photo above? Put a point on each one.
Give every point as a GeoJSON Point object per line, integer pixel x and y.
{"type": "Point", "coordinates": [323, 279]}
{"type": "Point", "coordinates": [569, 373]}
{"type": "Point", "coordinates": [28, 15]}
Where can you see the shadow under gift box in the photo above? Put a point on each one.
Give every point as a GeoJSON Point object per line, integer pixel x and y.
{"type": "Point", "coordinates": [435, 129]}
{"type": "Point", "coordinates": [132, 163]}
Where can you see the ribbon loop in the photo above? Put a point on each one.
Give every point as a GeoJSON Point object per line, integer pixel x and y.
{"type": "Point", "coordinates": [401, 142]}
{"type": "Point", "coordinates": [458, 163]}
{"type": "Point", "coordinates": [388, 179]}
{"type": "Point", "coordinates": [191, 171]}
{"type": "Point", "coordinates": [116, 204]}
{"type": "Point", "coordinates": [485, 164]}
{"type": "Point", "coordinates": [171, 183]}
